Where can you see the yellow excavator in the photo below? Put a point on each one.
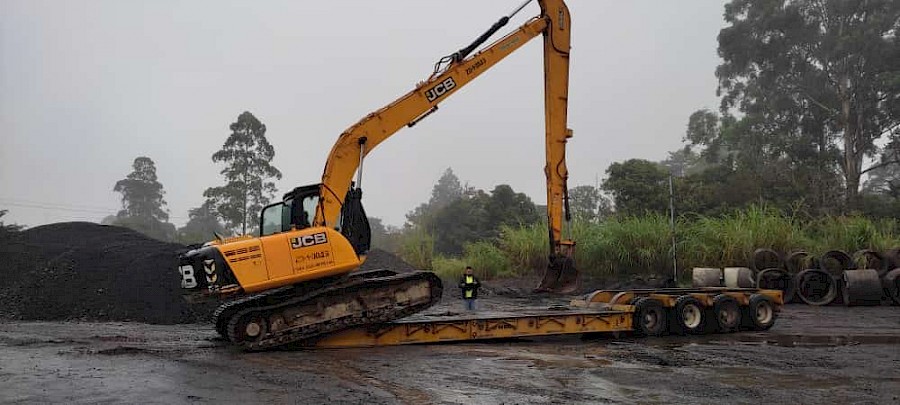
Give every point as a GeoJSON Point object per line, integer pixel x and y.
{"type": "Point", "coordinates": [296, 279]}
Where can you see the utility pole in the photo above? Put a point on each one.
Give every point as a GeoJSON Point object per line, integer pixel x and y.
{"type": "Point", "coordinates": [672, 225]}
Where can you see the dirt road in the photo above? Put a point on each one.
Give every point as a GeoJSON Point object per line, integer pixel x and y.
{"type": "Point", "coordinates": [812, 355]}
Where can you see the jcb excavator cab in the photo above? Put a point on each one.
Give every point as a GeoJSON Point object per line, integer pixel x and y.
{"type": "Point", "coordinates": [298, 210]}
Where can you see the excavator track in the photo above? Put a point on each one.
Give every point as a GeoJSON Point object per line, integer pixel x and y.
{"type": "Point", "coordinates": [223, 313]}
{"type": "Point", "coordinates": [291, 314]}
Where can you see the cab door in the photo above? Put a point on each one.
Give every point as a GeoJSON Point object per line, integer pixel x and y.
{"type": "Point", "coordinates": [275, 224]}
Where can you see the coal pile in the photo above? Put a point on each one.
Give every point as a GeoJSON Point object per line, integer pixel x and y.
{"type": "Point", "coordinates": [377, 259]}
{"type": "Point", "coordinates": [85, 271]}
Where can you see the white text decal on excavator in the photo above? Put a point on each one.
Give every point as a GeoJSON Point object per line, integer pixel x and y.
{"type": "Point", "coordinates": [308, 240]}
{"type": "Point", "coordinates": [440, 89]}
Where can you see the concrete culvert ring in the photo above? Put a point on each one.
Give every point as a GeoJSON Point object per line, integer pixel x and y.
{"type": "Point", "coordinates": [764, 258]}
{"type": "Point", "coordinates": [891, 285]}
{"type": "Point", "coordinates": [688, 315]}
{"type": "Point", "coordinates": [862, 287]}
{"type": "Point", "coordinates": [777, 279]}
{"type": "Point", "coordinates": [872, 259]}
{"type": "Point", "coordinates": [706, 277]}
{"type": "Point", "coordinates": [836, 261]}
{"type": "Point", "coordinates": [893, 257]}
{"type": "Point", "coordinates": [727, 312]}
{"type": "Point", "coordinates": [816, 287]}
{"type": "Point", "coordinates": [649, 317]}
{"type": "Point", "coordinates": [761, 313]}
{"type": "Point", "coordinates": [799, 260]}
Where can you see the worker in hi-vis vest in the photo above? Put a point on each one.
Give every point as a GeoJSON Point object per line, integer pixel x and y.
{"type": "Point", "coordinates": [469, 285]}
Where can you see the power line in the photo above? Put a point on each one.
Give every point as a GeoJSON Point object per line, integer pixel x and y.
{"type": "Point", "coordinates": [60, 207]}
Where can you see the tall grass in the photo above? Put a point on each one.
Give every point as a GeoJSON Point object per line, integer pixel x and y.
{"type": "Point", "coordinates": [642, 245]}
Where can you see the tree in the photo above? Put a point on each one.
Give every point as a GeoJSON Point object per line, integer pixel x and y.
{"type": "Point", "coordinates": [247, 156]}
{"type": "Point", "coordinates": [142, 193]}
{"type": "Point", "coordinates": [637, 186]}
{"type": "Point", "coordinates": [507, 207]}
{"type": "Point", "coordinates": [142, 202]}
{"type": "Point", "coordinates": [447, 190]}
{"type": "Point", "coordinates": [6, 229]}
{"type": "Point", "coordinates": [815, 72]}
{"type": "Point", "coordinates": [584, 201]}
{"type": "Point", "coordinates": [745, 161]}
{"type": "Point", "coordinates": [203, 224]}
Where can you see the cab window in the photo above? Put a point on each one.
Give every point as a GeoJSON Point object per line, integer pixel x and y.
{"type": "Point", "coordinates": [309, 209]}
{"type": "Point", "coordinates": [275, 218]}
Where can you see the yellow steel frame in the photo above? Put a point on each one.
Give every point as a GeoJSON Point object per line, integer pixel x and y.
{"type": "Point", "coordinates": [600, 311]}
{"type": "Point", "coordinates": [481, 327]}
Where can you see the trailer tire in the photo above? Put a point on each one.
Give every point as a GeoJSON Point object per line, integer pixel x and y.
{"type": "Point", "coordinates": [688, 316]}
{"type": "Point", "coordinates": [760, 313]}
{"type": "Point", "coordinates": [649, 317]}
{"type": "Point", "coordinates": [727, 313]}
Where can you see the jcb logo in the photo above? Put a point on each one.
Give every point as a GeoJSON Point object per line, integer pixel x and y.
{"type": "Point", "coordinates": [308, 240]}
{"type": "Point", "coordinates": [440, 89]}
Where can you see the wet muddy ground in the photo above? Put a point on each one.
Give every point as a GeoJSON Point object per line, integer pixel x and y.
{"type": "Point", "coordinates": [812, 355]}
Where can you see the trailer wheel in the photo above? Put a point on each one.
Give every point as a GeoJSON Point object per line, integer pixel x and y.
{"type": "Point", "coordinates": [688, 315]}
{"type": "Point", "coordinates": [760, 313]}
{"type": "Point", "coordinates": [649, 317]}
{"type": "Point", "coordinates": [727, 312]}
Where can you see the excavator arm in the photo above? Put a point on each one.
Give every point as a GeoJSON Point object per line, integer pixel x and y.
{"type": "Point", "coordinates": [346, 157]}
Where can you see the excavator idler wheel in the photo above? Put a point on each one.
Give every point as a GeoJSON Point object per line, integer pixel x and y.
{"type": "Point", "coordinates": [688, 316]}
{"type": "Point", "coordinates": [760, 313]}
{"type": "Point", "coordinates": [649, 317]}
{"type": "Point", "coordinates": [727, 312]}
{"type": "Point", "coordinates": [247, 327]}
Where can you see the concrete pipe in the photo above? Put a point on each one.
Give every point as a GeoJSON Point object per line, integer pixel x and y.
{"type": "Point", "coordinates": [765, 258]}
{"type": "Point", "coordinates": [799, 260]}
{"type": "Point", "coordinates": [872, 259]}
{"type": "Point", "coordinates": [861, 287]}
{"type": "Point", "coordinates": [835, 262]}
{"type": "Point", "coordinates": [706, 277]}
{"type": "Point", "coordinates": [893, 257]}
{"type": "Point", "coordinates": [739, 277]}
{"type": "Point", "coordinates": [816, 287]}
{"type": "Point", "coordinates": [777, 279]}
{"type": "Point", "coordinates": [891, 285]}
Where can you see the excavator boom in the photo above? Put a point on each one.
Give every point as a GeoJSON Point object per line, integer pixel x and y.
{"type": "Point", "coordinates": [359, 140]}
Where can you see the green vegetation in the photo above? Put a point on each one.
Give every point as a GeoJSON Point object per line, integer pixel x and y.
{"type": "Point", "coordinates": [642, 245]}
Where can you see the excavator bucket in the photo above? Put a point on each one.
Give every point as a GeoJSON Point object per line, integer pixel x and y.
{"type": "Point", "coordinates": [561, 276]}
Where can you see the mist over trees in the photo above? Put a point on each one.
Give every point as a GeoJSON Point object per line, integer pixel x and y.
{"type": "Point", "coordinates": [809, 117]}
{"type": "Point", "coordinates": [457, 214]}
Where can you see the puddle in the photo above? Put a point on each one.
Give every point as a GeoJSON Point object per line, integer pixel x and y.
{"type": "Point", "coordinates": [782, 340]}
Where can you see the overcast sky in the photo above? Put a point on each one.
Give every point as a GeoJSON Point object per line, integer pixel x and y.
{"type": "Point", "coordinates": [87, 86]}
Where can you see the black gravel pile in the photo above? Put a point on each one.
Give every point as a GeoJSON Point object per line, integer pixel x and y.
{"type": "Point", "coordinates": [378, 259]}
{"type": "Point", "coordinates": [85, 271]}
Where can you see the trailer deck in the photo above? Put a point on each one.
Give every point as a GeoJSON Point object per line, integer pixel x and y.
{"type": "Point", "coordinates": [603, 311]}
